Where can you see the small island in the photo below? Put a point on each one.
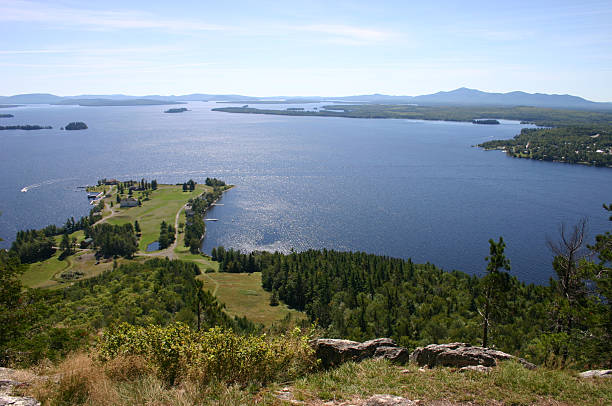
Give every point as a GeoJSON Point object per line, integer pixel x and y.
{"type": "Point", "coordinates": [76, 125]}
{"type": "Point", "coordinates": [27, 127]}
{"type": "Point", "coordinates": [485, 121]}
{"type": "Point", "coordinates": [6, 116]}
{"type": "Point", "coordinates": [177, 110]}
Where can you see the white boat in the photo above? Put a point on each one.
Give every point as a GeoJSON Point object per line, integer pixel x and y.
{"type": "Point", "coordinates": [25, 189]}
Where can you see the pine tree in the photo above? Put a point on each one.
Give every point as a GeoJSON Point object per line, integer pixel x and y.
{"type": "Point", "coordinates": [495, 286]}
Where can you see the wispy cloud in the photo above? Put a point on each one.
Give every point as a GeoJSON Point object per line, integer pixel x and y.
{"type": "Point", "coordinates": [349, 34]}
{"type": "Point", "coordinates": [88, 19]}
{"type": "Point", "coordinates": [28, 11]}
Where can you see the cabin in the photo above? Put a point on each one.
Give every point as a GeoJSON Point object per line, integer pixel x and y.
{"type": "Point", "coordinates": [86, 242]}
{"type": "Point", "coordinates": [129, 202]}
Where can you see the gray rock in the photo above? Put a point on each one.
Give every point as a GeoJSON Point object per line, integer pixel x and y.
{"type": "Point", "coordinates": [333, 352]}
{"type": "Point", "coordinates": [398, 355]}
{"type": "Point", "coordinates": [6, 400]}
{"type": "Point", "coordinates": [7, 383]}
{"type": "Point", "coordinates": [476, 368]}
{"type": "Point", "coordinates": [461, 355]}
{"type": "Point", "coordinates": [596, 373]}
{"type": "Point", "coordinates": [390, 400]}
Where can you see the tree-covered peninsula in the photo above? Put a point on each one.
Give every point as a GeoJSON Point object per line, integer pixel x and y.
{"type": "Point", "coordinates": [586, 145]}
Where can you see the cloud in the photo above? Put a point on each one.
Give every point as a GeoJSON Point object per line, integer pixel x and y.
{"type": "Point", "coordinates": [28, 11]}
{"type": "Point", "coordinates": [346, 34]}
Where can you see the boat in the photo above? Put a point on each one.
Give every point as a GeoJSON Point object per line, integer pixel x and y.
{"type": "Point", "coordinates": [25, 189]}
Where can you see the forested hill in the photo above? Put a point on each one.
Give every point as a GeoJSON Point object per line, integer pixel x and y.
{"type": "Point", "coordinates": [362, 296]}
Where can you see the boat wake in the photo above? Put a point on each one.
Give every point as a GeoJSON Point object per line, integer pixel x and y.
{"type": "Point", "coordinates": [44, 183]}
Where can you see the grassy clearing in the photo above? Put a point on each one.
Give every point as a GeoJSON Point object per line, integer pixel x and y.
{"type": "Point", "coordinates": [509, 384]}
{"type": "Point", "coordinates": [40, 274]}
{"type": "Point", "coordinates": [243, 295]}
{"type": "Point", "coordinates": [164, 204]}
{"type": "Point", "coordinates": [45, 274]}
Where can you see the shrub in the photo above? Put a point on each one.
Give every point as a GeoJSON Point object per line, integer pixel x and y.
{"type": "Point", "coordinates": [217, 355]}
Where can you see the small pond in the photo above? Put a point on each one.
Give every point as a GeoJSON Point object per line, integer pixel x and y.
{"type": "Point", "coordinates": [154, 246]}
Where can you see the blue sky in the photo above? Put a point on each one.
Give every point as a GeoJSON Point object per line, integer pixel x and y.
{"type": "Point", "coordinates": [312, 47]}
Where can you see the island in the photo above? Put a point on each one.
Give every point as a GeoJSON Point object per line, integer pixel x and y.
{"type": "Point", "coordinates": [177, 110]}
{"type": "Point", "coordinates": [76, 125]}
{"type": "Point", "coordinates": [27, 127]}
{"type": "Point", "coordinates": [485, 121]}
{"type": "Point", "coordinates": [6, 115]}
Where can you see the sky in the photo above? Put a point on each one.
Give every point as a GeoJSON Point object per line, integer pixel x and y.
{"type": "Point", "coordinates": [307, 48]}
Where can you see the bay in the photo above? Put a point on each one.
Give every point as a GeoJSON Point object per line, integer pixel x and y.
{"type": "Point", "coordinates": [403, 188]}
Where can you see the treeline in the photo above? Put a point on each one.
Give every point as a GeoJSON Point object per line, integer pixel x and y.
{"type": "Point", "coordinates": [33, 245]}
{"type": "Point", "coordinates": [541, 116]}
{"type": "Point", "coordinates": [361, 296]}
{"type": "Point", "coordinates": [48, 324]}
{"type": "Point", "coordinates": [195, 227]}
{"type": "Point", "coordinates": [133, 185]}
{"type": "Point", "coordinates": [590, 145]}
{"type": "Point", "coordinates": [214, 182]}
{"type": "Point", "coordinates": [114, 240]}
{"type": "Point", "coordinates": [189, 185]}
{"type": "Point", "coordinates": [167, 235]}
{"type": "Point", "coordinates": [37, 245]}
{"type": "Point", "coordinates": [233, 261]}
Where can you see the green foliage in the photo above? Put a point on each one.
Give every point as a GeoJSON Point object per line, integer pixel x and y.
{"type": "Point", "coordinates": [572, 144]}
{"type": "Point", "coordinates": [495, 286]}
{"type": "Point", "coordinates": [218, 354]}
{"type": "Point", "coordinates": [33, 245]}
{"type": "Point", "coordinates": [114, 240]}
{"type": "Point", "coordinates": [214, 182]}
{"type": "Point", "coordinates": [167, 235]}
{"type": "Point", "coordinates": [12, 308]}
{"type": "Point", "coordinates": [538, 115]}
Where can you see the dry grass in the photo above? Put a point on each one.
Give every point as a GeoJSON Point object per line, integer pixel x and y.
{"type": "Point", "coordinates": [80, 380]}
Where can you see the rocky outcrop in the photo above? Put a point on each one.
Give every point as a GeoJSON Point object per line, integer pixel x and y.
{"type": "Point", "coordinates": [10, 379]}
{"type": "Point", "coordinates": [461, 355]}
{"type": "Point", "coordinates": [390, 400]}
{"type": "Point", "coordinates": [596, 373]}
{"type": "Point", "coordinates": [333, 352]}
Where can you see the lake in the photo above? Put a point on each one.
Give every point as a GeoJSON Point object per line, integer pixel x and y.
{"type": "Point", "coordinates": [403, 188]}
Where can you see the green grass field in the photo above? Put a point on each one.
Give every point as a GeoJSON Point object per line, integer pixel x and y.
{"type": "Point", "coordinates": [164, 204]}
{"type": "Point", "coordinates": [45, 274]}
{"type": "Point", "coordinates": [243, 295]}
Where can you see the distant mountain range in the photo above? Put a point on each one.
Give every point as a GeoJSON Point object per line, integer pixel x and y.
{"type": "Point", "coordinates": [459, 97]}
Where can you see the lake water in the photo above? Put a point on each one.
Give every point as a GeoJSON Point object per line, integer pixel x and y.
{"type": "Point", "coordinates": [402, 188]}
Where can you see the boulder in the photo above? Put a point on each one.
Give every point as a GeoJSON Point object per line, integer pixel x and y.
{"type": "Point", "coordinates": [333, 352]}
{"type": "Point", "coordinates": [475, 368]}
{"type": "Point", "coordinates": [398, 355]}
{"type": "Point", "coordinates": [461, 355]}
{"type": "Point", "coordinates": [389, 400]}
{"type": "Point", "coordinates": [596, 373]}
